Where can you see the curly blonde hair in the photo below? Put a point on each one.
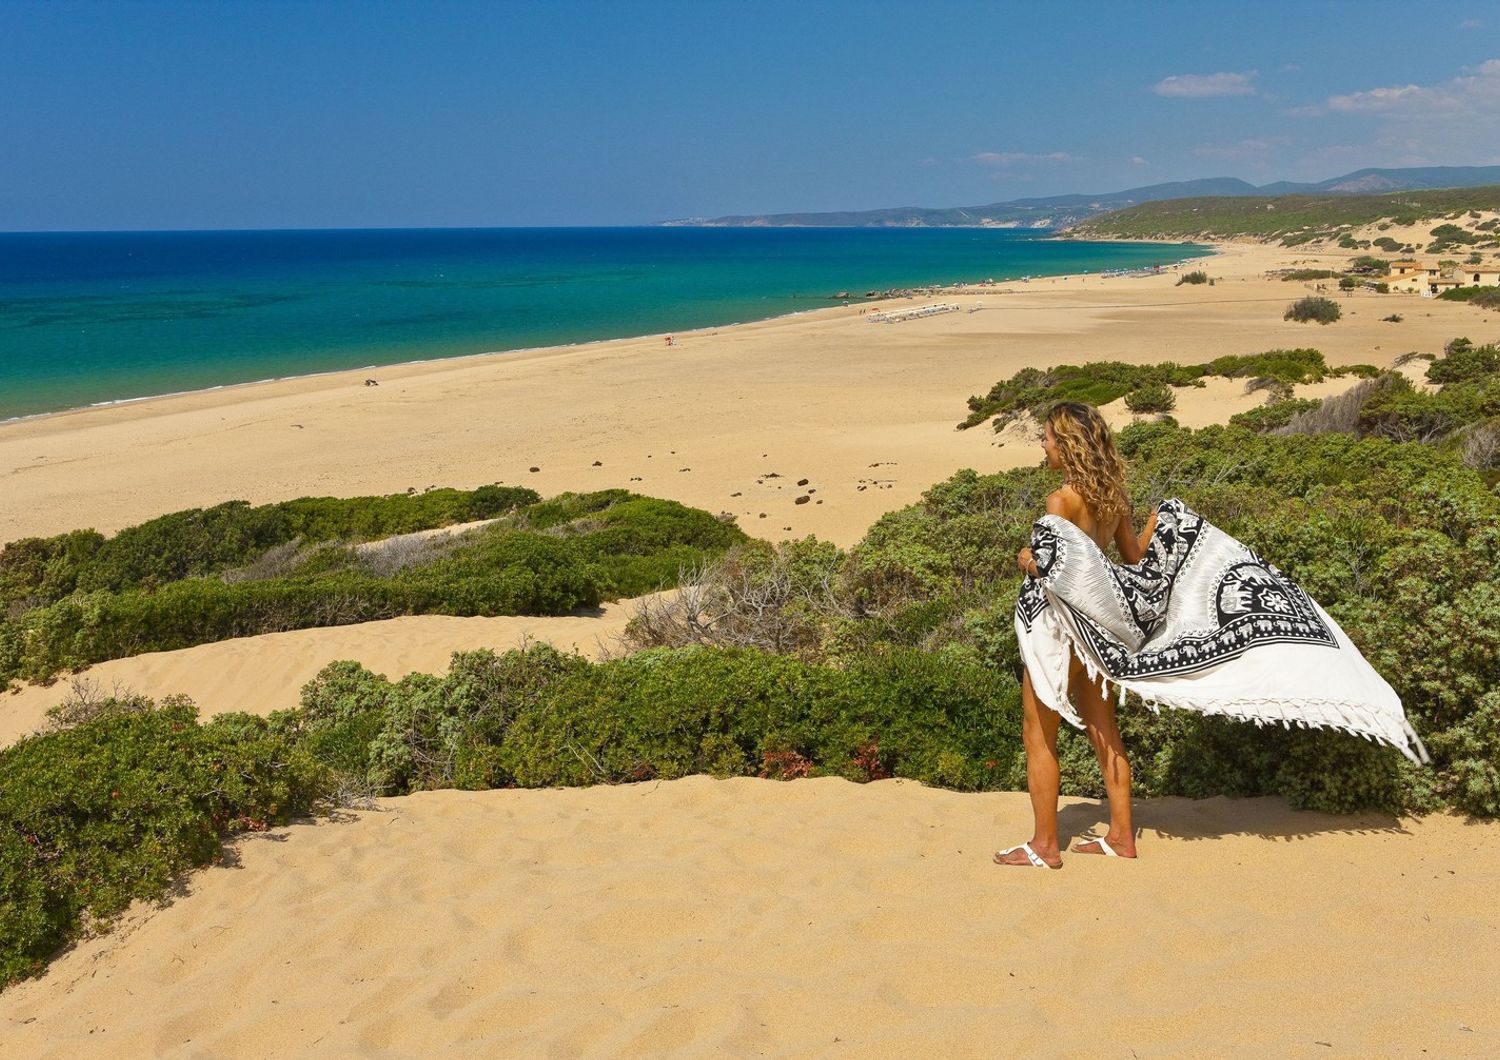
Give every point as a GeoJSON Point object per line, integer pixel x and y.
{"type": "Point", "coordinates": [1090, 458]}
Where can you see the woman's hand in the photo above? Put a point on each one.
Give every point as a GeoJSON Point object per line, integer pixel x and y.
{"type": "Point", "coordinates": [1024, 560]}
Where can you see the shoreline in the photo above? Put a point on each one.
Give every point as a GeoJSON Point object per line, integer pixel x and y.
{"type": "Point", "coordinates": [867, 412]}
{"type": "Point", "coordinates": [905, 292]}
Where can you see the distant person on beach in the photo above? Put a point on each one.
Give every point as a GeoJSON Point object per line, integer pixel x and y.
{"type": "Point", "coordinates": [1193, 619]}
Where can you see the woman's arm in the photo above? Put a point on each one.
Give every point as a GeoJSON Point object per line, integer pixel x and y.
{"type": "Point", "coordinates": [1133, 548]}
{"type": "Point", "coordinates": [1057, 504]}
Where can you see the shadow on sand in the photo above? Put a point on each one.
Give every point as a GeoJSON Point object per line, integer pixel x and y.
{"type": "Point", "coordinates": [1180, 818]}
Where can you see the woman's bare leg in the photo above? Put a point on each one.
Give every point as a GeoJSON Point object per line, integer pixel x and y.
{"type": "Point", "coordinates": [1039, 736]}
{"type": "Point", "coordinates": [1098, 715]}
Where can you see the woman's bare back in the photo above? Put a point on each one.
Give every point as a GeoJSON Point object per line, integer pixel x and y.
{"type": "Point", "coordinates": [1077, 512]}
{"type": "Point", "coordinates": [1068, 503]}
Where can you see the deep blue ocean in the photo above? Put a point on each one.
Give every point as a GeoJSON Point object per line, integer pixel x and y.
{"type": "Point", "coordinates": [95, 317]}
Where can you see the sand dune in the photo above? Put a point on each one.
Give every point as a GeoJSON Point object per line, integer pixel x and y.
{"type": "Point", "coordinates": [811, 918]}
{"type": "Point", "coordinates": [261, 674]}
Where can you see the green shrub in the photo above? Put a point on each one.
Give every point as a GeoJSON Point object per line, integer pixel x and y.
{"type": "Point", "coordinates": [535, 717]}
{"type": "Point", "coordinates": [94, 817]}
{"type": "Point", "coordinates": [1483, 297]}
{"type": "Point", "coordinates": [615, 544]}
{"type": "Point", "coordinates": [1194, 277]}
{"type": "Point", "coordinates": [1463, 362]}
{"type": "Point", "coordinates": [1323, 310]}
{"type": "Point", "coordinates": [1304, 275]}
{"type": "Point", "coordinates": [1273, 414]}
{"type": "Point", "coordinates": [1153, 397]}
{"type": "Point", "coordinates": [1032, 391]}
{"type": "Point", "coordinates": [196, 542]}
{"type": "Point", "coordinates": [1302, 365]}
{"type": "Point", "coordinates": [935, 717]}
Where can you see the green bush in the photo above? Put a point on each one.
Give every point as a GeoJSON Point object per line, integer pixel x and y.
{"type": "Point", "coordinates": [1194, 277]}
{"type": "Point", "coordinates": [612, 544]}
{"type": "Point", "coordinates": [1273, 414]}
{"type": "Point", "coordinates": [1032, 391]}
{"type": "Point", "coordinates": [1323, 310]}
{"type": "Point", "coordinates": [540, 718]}
{"type": "Point", "coordinates": [196, 542]}
{"type": "Point", "coordinates": [1483, 297]}
{"type": "Point", "coordinates": [1463, 362]}
{"type": "Point", "coordinates": [1304, 275]}
{"type": "Point", "coordinates": [1302, 365]}
{"type": "Point", "coordinates": [1153, 397]}
{"type": "Point", "coordinates": [94, 817]}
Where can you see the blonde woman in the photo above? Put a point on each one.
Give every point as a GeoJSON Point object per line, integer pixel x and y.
{"type": "Point", "coordinates": [1192, 619]}
{"type": "Point", "coordinates": [1092, 497]}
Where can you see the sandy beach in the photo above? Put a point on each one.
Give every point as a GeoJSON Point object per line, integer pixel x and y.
{"type": "Point", "coordinates": [744, 917]}
{"type": "Point", "coordinates": [866, 412]}
{"type": "Point", "coordinates": [740, 917]}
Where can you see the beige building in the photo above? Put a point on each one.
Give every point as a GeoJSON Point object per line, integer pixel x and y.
{"type": "Point", "coordinates": [1428, 277]}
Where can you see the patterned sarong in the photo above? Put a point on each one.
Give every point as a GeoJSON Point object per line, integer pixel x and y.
{"type": "Point", "coordinates": [1200, 623]}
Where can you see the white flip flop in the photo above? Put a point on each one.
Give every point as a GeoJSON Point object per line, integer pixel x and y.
{"type": "Point", "coordinates": [1104, 847]}
{"type": "Point", "coordinates": [1032, 856]}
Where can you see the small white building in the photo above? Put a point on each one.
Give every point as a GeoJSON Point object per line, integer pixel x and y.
{"type": "Point", "coordinates": [1428, 277]}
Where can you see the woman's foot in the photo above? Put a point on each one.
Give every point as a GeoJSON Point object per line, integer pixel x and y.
{"type": "Point", "coordinates": [1051, 855]}
{"type": "Point", "coordinates": [1123, 847]}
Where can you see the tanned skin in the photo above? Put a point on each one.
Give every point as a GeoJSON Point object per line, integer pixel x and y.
{"type": "Point", "coordinates": [1039, 723]}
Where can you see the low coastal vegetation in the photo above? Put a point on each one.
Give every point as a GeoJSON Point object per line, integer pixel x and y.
{"type": "Point", "coordinates": [1483, 297]}
{"type": "Point", "coordinates": [894, 658]}
{"type": "Point", "coordinates": [198, 576]}
{"type": "Point", "coordinates": [1032, 390]}
{"type": "Point", "coordinates": [1196, 276]}
{"type": "Point", "coordinates": [1298, 219]}
{"type": "Point", "coordinates": [1313, 308]}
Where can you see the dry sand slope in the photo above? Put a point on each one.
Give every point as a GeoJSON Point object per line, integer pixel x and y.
{"type": "Point", "coordinates": [261, 674]}
{"type": "Point", "coordinates": [811, 918]}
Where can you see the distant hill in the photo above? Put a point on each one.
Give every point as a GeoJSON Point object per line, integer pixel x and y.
{"type": "Point", "coordinates": [1061, 211]}
{"type": "Point", "coordinates": [1297, 219]}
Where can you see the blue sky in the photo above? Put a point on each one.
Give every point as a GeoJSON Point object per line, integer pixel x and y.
{"type": "Point", "coordinates": [135, 114]}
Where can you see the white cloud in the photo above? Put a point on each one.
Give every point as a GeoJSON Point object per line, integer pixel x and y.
{"type": "Point", "coordinates": [1449, 122]}
{"type": "Point", "coordinates": [1137, 160]}
{"type": "Point", "coordinates": [1471, 23]}
{"type": "Point", "coordinates": [1006, 159]}
{"type": "Point", "coordinates": [1472, 92]}
{"type": "Point", "coordinates": [1204, 86]}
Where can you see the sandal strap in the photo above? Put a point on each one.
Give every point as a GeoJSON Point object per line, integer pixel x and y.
{"type": "Point", "coordinates": [1031, 855]}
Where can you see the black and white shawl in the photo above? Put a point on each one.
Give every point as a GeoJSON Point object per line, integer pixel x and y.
{"type": "Point", "coordinates": [1200, 623]}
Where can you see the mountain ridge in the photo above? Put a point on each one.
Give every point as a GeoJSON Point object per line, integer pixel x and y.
{"type": "Point", "coordinates": [1059, 211]}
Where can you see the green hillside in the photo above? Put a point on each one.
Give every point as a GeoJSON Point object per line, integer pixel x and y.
{"type": "Point", "coordinates": [1291, 218]}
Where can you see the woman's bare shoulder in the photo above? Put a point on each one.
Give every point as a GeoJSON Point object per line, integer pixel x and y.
{"type": "Point", "coordinates": [1066, 502]}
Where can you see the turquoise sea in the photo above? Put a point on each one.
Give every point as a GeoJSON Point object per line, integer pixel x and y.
{"type": "Point", "coordinates": [96, 317]}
